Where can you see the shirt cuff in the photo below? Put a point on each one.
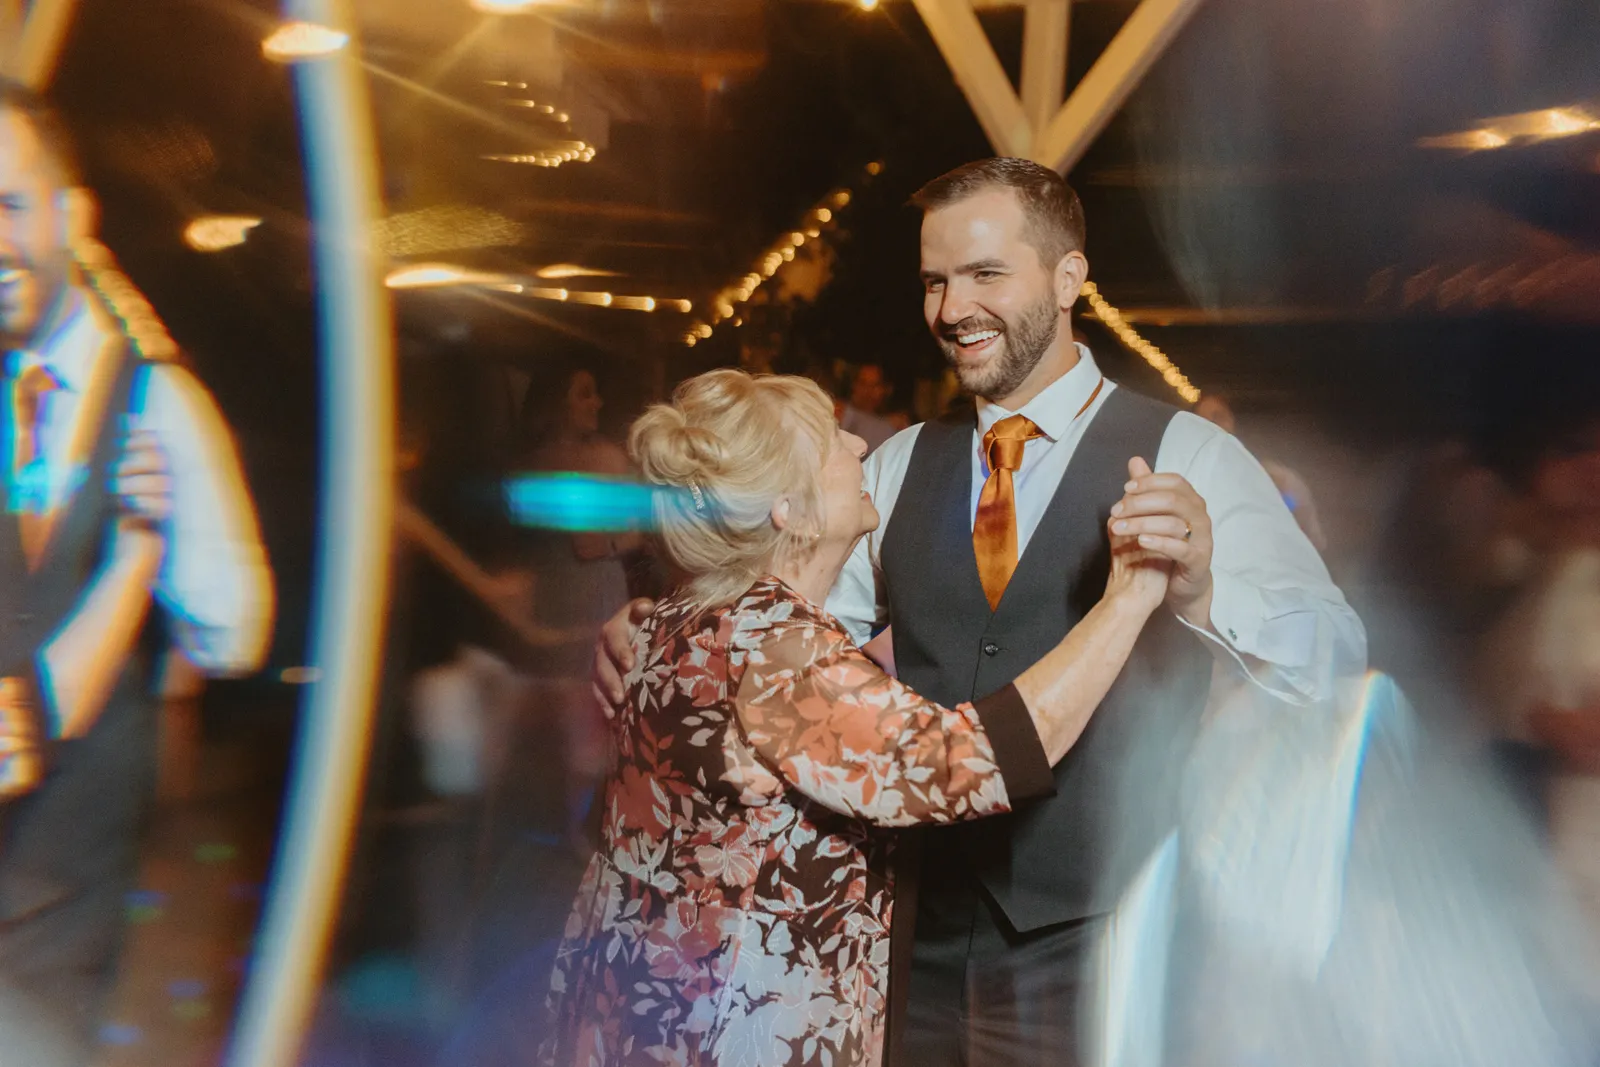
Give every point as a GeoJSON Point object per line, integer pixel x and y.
{"type": "Point", "coordinates": [1236, 612]}
{"type": "Point", "coordinates": [1018, 752]}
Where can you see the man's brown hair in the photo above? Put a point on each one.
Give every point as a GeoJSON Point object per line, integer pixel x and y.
{"type": "Point", "coordinates": [1053, 212]}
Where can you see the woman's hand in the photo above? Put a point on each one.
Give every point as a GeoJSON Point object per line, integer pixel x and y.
{"type": "Point", "coordinates": [1138, 577]}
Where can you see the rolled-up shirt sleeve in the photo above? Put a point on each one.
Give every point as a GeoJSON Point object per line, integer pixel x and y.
{"type": "Point", "coordinates": [215, 581]}
{"type": "Point", "coordinates": [1275, 611]}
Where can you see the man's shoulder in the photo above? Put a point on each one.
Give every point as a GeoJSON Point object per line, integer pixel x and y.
{"type": "Point", "coordinates": [893, 454]}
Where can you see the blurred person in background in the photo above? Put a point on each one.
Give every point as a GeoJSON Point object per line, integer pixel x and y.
{"type": "Point", "coordinates": [124, 489]}
{"type": "Point", "coordinates": [578, 579]}
{"type": "Point", "coordinates": [739, 910]}
{"type": "Point", "coordinates": [1541, 661]}
{"type": "Point", "coordinates": [868, 392]}
{"type": "Point", "coordinates": [1213, 407]}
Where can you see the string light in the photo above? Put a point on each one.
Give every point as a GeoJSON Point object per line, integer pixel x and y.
{"type": "Point", "coordinates": [140, 322]}
{"type": "Point", "coordinates": [1113, 320]}
{"type": "Point", "coordinates": [725, 305]}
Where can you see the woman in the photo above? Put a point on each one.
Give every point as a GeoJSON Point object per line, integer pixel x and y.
{"type": "Point", "coordinates": [738, 911]}
{"type": "Point", "coordinates": [579, 579]}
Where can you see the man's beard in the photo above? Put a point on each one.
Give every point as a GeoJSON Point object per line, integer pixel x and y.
{"type": "Point", "coordinates": [30, 300]}
{"type": "Point", "coordinates": [1023, 344]}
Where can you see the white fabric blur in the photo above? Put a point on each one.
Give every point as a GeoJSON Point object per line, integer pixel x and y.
{"type": "Point", "coordinates": [214, 579]}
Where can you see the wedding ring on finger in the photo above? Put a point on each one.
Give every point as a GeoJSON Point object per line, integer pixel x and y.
{"type": "Point", "coordinates": [1188, 531]}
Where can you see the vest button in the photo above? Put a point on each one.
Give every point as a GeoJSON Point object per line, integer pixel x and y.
{"type": "Point", "coordinates": [991, 649]}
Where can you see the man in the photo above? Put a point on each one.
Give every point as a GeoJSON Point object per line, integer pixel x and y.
{"type": "Point", "coordinates": [868, 391]}
{"type": "Point", "coordinates": [122, 487]}
{"type": "Point", "coordinates": [992, 546]}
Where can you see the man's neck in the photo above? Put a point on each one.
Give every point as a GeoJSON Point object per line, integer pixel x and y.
{"type": "Point", "coordinates": [1061, 357]}
{"type": "Point", "coordinates": [50, 322]}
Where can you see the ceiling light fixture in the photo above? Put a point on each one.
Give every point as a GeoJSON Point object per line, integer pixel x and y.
{"type": "Point", "coordinates": [294, 42]}
{"type": "Point", "coordinates": [213, 233]}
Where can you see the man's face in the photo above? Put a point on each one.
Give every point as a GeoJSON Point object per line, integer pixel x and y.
{"type": "Point", "coordinates": [988, 299]}
{"type": "Point", "coordinates": [34, 259]}
{"type": "Point", "coordinates": [868, 391]}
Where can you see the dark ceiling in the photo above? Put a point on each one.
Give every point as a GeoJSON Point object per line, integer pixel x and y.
{"type": "Point", "coordinates": [1262, 191]}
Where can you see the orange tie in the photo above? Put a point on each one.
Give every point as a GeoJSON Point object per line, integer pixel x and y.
{"type": "Point", "coordinates": [994, 531]}
{"type": "Point", "coordinates": [27, 396]}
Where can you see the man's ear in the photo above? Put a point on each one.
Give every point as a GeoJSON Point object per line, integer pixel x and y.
{"type": "Point", "coordinates": [80, 214]}
{"type": "Point", "coordinates": [1071, 273]}
{"type": "Point", "coordinates": [780, 513]}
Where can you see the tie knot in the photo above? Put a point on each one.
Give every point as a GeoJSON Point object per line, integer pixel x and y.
{"type": "Point", "coordinates": [1004, 442]}
{"type": "Point", "coordinates": [32, 385]}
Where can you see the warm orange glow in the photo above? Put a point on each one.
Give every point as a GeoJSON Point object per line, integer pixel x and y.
{"type": "Point", "coordinates": [823, 214]}
{"type": "Point", "coordinates": [295, 41]}
{"type": "Point", "coordinates": [504, 7]}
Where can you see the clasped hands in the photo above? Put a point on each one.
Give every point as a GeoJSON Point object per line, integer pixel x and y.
{"type": "Point", "coordinates": [1168, 519]}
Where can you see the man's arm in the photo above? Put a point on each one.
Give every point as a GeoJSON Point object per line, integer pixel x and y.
{"type": "Point", "coordinates": [214, 580]}
{"type": "Point", "coordinates": [858, 598]}
{"type": "Point", "coordinates": [1245, 576]}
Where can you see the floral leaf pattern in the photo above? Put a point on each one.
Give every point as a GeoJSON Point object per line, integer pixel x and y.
{"type": "Point", "coordinates": [738, 910]}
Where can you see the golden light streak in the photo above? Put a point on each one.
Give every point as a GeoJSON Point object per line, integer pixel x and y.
{"type": "Point", "coordinates": [504, 7]}
{"type": "Point", "coordinates": [556, 271]}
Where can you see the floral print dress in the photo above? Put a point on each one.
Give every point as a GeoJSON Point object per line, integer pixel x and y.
{"type": "Point", "coordinates": [738, 910]}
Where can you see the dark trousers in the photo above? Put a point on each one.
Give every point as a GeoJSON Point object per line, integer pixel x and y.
{"type": "Point", "coordinates": [68, 858]}
{"type": "Point", "coordinates": [983, 995]}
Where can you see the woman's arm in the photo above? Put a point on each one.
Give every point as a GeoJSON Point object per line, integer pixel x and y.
{"type": "Point", "coordinates": [838, 728]}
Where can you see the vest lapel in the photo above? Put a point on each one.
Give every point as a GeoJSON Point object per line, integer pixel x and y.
{"type": "Point", "coordinates": [952, 547]}
{"type": "Point", "coordinates": [89, 426]}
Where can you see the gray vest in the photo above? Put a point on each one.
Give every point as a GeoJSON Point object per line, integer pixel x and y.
{"type": "Point", "coordinates": [68, 849]}
{"type": "Point", "coordinates": [1069, 856]}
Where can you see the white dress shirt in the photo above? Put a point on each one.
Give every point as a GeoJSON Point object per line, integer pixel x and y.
{"type": "Point", "coordinates": [1274, 612]}
{"type": "Point", "coordinates": [214, 579]}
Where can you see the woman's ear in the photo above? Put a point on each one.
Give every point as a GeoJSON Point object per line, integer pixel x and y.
{"type": "Point", "coordinates": [780, 513]}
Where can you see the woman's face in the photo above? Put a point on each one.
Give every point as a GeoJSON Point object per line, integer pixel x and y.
{"type": "Point", "coordinates": [583, 403]}
{"type": "Point", "coordinates": [847, 510]}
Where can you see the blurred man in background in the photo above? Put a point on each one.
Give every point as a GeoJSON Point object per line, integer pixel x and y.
{"type": "Point", "coordinates": [123, 487]}
{"type": "Point", "coordinates": [868, 391]}
{"type": "Point", "coordinates": [1291, 486]}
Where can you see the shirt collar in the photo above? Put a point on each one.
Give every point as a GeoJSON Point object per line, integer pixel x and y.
{"type": "Point", "coordinates": [1056, 406]}
{"type": "Point", "coordinates": [68, 347]}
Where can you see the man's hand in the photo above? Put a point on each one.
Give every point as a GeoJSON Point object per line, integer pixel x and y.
{"type": "Point", "coordinates": [1170, 520]}
{"type": "Point", "coordinates": [613, 654]}
{"type": "Point", "coordinates": [143, 479]}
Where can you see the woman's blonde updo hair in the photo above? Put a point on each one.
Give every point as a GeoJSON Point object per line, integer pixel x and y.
{"type": "Point", "coordinates": [733, 444]}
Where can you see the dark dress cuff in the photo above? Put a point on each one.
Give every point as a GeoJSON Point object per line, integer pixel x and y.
{"type": "Point", "coordinates": [1018, 752]}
